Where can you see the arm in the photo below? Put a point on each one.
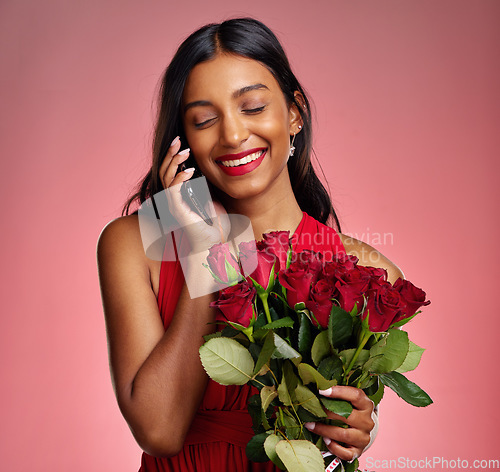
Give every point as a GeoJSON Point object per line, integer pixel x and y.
{"type": "Point", "coordinates": [157, 376]}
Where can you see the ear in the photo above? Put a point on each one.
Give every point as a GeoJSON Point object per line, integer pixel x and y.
{"type": "Point", "coordinates": [294, 114]}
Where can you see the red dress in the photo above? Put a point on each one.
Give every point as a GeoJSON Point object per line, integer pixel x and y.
{"type": "Point", "coordinates": [222, 426]}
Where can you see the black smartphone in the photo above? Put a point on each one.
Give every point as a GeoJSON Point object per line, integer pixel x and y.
{"type": "Point", "coordinates": [195, 201]}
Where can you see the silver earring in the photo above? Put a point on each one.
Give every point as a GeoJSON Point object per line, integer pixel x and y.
{"type": "Point", "coordinates": [292, 147]}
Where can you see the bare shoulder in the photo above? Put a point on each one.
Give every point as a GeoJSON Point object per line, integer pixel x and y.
{"type": "Point", "coordinates": [369, 256]}
{"type": "Point", "coordinates": [120, 233]}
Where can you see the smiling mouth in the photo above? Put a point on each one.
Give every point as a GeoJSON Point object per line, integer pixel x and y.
{"type": "Point", "coordinates": [243, 160]}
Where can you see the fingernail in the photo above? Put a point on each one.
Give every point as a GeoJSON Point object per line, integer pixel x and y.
{"type": "Point", "coordinates": [310, 426]}
{"type": "Point", "coordinates": [175, 141]}
{"type": "Point", "coordinates": [354, 457]}
{"type": "Point", "coordinates": [187, 171]}
{"type": "Point", "coordinates": [326, 392]}
{"type": "Point", "coordinates": [184, 151]}
{"type": "Point", "coordinates": [327, 441]}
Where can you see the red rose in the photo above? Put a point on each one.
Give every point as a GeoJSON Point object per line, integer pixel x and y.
{"type": "Point", "coordinates": [217, 257]}
{"type": "Point", "coordinates": [300, 276]}
{"type": "Point", "coordinates": [374, 272]}
{"type": "Point", "coordinates": [341, 264]}
{"type": "Point", "coordinates": [384, 305]}
{"type": "Point", "coordinates": [313, 261]}
{"type": "Point", "coordinates": [235, 303]}
{"type": "Point", "coordinates": [345, 262]}
{"type": "Point", "coordinates": [259, 261]}
{"type": "Point", "coordinates": [351, 285]}
{"type": "Point", "coordinates": [276, 243]}
{"type": "Point", "coordinates": [297, 281]}
{"type": "Point", "coordinates": [413, 297]}
{"type": "Point", "coordinates": [321, 301]}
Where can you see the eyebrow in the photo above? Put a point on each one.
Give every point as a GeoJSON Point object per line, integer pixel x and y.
{"type": "Point", "coordinates": [236, 94]}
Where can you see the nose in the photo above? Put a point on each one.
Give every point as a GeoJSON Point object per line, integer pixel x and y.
{"type": "Point", "coordinates": [233, 131]}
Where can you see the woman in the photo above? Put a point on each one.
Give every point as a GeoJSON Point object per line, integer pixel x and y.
{"type": "Point", "coordinates": [229, 95]}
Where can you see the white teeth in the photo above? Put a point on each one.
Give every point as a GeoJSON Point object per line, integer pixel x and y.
{"type": "Point", "coordinates": [243, 160]}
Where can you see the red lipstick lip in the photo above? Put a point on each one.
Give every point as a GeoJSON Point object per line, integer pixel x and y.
{"type": "Point", "coordinates": [243, 168]}
{"type": "Point", "coordinates": [240, 155]}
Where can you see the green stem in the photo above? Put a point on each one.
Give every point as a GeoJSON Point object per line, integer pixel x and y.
{"type": "Point", "coordinates": [266, 307]}
{"type": "Point", "coordinates": [364, 340]}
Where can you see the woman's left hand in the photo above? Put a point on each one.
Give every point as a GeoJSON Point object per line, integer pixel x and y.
{"type": "Point", "coordinates": [361, 423]}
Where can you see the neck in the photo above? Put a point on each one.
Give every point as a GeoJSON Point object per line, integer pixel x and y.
{"type": "Point", "coordinates": [275, 210]}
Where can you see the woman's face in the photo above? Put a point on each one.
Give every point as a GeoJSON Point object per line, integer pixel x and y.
{"type": "Point", "coordinates": [238, 125]}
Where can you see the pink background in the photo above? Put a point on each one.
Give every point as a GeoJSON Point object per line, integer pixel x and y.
{"type": "Point", "coordinates": [407, 104]}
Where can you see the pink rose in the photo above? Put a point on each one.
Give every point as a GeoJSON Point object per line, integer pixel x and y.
{"type": "Point", "coordinates": [217, 257]}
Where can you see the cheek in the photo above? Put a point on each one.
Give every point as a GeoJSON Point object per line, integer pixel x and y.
{"type": "Point", "coordinates": [276, 129]}
{"type": "Point", "coordinates": [198, 144]}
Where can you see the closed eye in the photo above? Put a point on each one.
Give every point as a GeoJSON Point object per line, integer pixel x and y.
{"type": "Point", "coordinates": [255, 110]}
{"type": "Point", "coordinates": [203, 123]}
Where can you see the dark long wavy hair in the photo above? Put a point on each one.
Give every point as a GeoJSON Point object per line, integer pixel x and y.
{"type": "Point", "coordinates": [249, 38]}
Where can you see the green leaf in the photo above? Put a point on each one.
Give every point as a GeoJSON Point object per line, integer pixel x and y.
{"type": "Point", "coordinates": [267, 395]}
{"type": "Point", "coordinates": [412, 358]}
{"type": "Point", "coordinates": [274, 314]}
{"type": "Point", "coordinates": [254, 407]}
{"type": "Point", "coordinates": [306, 416]}
{"type": "Point", "coordinates": [299, 306]}
{"type": "Point", "coordinates": [261, 321]}
{"type": "Point", "coordinates": [331, 368]}
{"type": "Point", "coordinates": [285, 322]}
{"type": "Point", "coordinates": [339, 326]}
{"type": "Point", "coordinates": [229, 332]}
{"type": "Point", "coordinates": [350, 466]}
{"type": "Point", "coordinates": [309, 374]}
{"type": "Point", "coordinates": [407, 390]}
{"type": "Point", "coordinates": [265, 353]}
{"type": "Point", "coordinates": [255, 448]}
{"type": "Point", "coordinates": [290, 378]}
{"type": "Point", "coordinates": [270, 448]}
{"type": "Point", "coordinates": [402, 322]}
{"type": "Point", "coordinates": [304, 344]}
{"type": "Point", "coordinates": [288, 383]}
{"type": "Point", "coordinates": [292, 428]}
{"type": "Point", "coordinates": [389, 352]}
{"type": "Point", "coordinates": [261, 291]}
{"type": "Point", "coordinates": [340, 407]}
{"type": "Point", "coordinates": [285, 351]}
{"type": "Point", "coordinates": [347, 354]}
{"type": "Point", "coordinates": [226, 361]}
{"type": "Point", "coordinates": [300, 456]}
{"type": "Point", "coordinates": [321, 347]}
{"type": "Point", "coordinates": [378, 395]}
{"type": "Point", "coordinates": [309, 401]}
{"type": "Point", "coordinates": [217, 334]}
{"type": "Point", "coordinates": [233, 276]}
{"type": "Point", "coordinates": [237, 326]}
{"type": "Point", "coordinates": [283, 393]}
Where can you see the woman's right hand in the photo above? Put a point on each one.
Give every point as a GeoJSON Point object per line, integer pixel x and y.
{"type": "Point", "coordinates": [201, 236]}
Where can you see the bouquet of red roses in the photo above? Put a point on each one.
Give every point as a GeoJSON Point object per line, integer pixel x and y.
{"type": "Point", "coordinates": [299, 324]}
